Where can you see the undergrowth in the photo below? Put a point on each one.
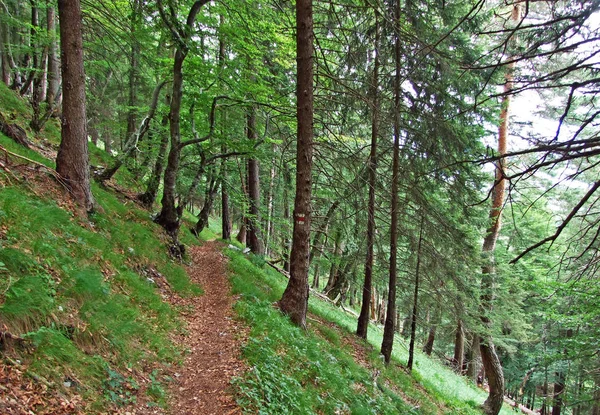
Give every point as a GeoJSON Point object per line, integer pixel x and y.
{"type": "Point", "coordinates": [292, 371]}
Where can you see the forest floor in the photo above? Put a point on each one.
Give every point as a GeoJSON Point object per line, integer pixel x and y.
{"type": "Point", "coordinates": [212, 339]}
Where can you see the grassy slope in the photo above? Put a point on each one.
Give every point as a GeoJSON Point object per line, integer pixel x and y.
{"type": "Point", "coordinates": [77, 290]}
{"type": "Point", "coordinates": [298, 372]}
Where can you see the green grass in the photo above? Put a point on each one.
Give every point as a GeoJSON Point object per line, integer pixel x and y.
{"type": "Point", "coordinates": [303, 372]}
{"type": "Point", "coordinates": [76, 289]}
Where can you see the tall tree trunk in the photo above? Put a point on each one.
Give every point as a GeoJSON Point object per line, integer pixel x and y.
{"type": "Point", "coordinates": [5, 52]}
{"type": "Point", "coordinates": [253, 233]}
{"type": "Point", "coordinates": [560, 382]}
{"type": "Point", "coordinates": [473, 358]}
{"type": "Point", "coordinates": [225, 216]}
{"type": "Point", "coordinates": [322, 229]}
{"type": "Point", "coordinates": [168, 217]}
{"type": "Point", "coordinates": [596, 403]}
{"type": "Point", "coordinates": [413, 320]}
{"type": "Point", "coordinates": [287, 184]}
{"type": "Point", "coordinates": [559, 389]}
{"type": "Point", "coordinates": [149, 196]}
{"type": "Point", "coordinates": [338, 248]}
{"type": "Point", "coordinates": [459, 348]}
{"type": "Point", "coordinates": [363, 318]}
{"type": "Point", "coordinates": [388, 330]}
{"type": "Point", "coordinates": [72, 160]}
{"type": "Point", "coordinates": [428, 347]}
{"type": "Point", "coordinates": [294, 301]}
{"type": "Point", "coordinates": [489, 357]}
{"type": "Point", "coordinates": [270, 206]}
{"type": "Point", "coordinates": [133, 69]}
{"type": "Point", "coordinates": [213, 187]}
{"type": "Point", "coordinates": [53, 63]}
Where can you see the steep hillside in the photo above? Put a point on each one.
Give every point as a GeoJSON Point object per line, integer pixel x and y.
{"type": "Point", "coordinates": [86, 325]}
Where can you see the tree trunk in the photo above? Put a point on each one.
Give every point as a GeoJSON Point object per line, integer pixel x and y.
{"type": "Point", "coordinates": [270, 206]}
{"type": "Point", "coordinates": [133, 69]}
{"type": "Point", "coordinates": [388, 331]}
{"type": "Point", "coordinates": [287, 183]}
{"type": "Point", "coordinates": [428, 347]}
{"type": "Point", "coordinates": [241, 236]}
{"type": "Point", "coordinates": [489, 357]}
{"type": "Point", "coordinates": [413, 320]}
{"type": "Point", "coordinates": [322, 229]}
{"type": "Point", "coordinates": [72, 160]}
{"type": "Point", "coordinates": [472, 358]}
{"type": "Point", "coordinates": [596, 404]}
{"type": "Point", "coordinates": [213, 187]}
{"type": "Point", "coordinates": [4, 52]}
{"type": "Point", "coordinates": [294, 301]}
{"type": "Point", "coordinates": [149, 196]}
{"type": "Point", "coordinates": [225, 217]}
{"type": "Point", "coordinates": [559, 389]}
{"type": "Point", "coordinates": [363, 318]}
{"type": "Point", "coordinates": [253, 233]}
{"type": "Point", "coordinates": [53, 73]}
{"type": "Point", "coordinates": [459, 348]}
{"type": "Point", "coordinates": [134, 139]}
{"type": "Point", "coordinates": [341, 281]}
{"type": "Point", "coordinates": [338, 247]}
{"type": "Point", "coordinates": [168, 217]}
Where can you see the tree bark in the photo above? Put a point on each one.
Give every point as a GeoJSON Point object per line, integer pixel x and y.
{"type": "Point", "coordinates": [72, 160]}
{"type": "Point", "coordinates": [338, 247]}
{"type": "Point", "coordinates": [489, 357]}
{"type": "Point", "coordinates": [213, 187]}
{"type": "Point", "coordinates": [294, 301]}
{"type": "Point", "coordinates": [225, 216]}
{"type": "Point", "coordinates": [459, 348]}
{"type": "Point", "coordinates": [168, 217]}
{"type": "Point", "coordinates": [322, 229]}
{"type": "Point", "coordinates": [472, 356]}
{"type": "Point", "coordinates": [53, 74]}
{"type": "Point", "coordinates": [428, 347]}
{"type": "Point", "coordinates": [149, 196]}
{"type": "Point", "coordinates": [413, 320]}
{"type": "Point", "coordinates": [388, 331]}
{"type": "Point", "coordinates": [270, 205]}
{"type": "Point", "coordinates": [287, 183]}
{"type": "Point", "coordinates": [363, 318]}
{"type": "Point", "coordinates": [253, 233]}
{"type": "Point", "coordinates": [133, 70]}
{"type": "Point", "coordinates": [5, 52]}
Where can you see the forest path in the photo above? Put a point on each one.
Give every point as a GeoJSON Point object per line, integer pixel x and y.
{"type": "Point", "coordinates": [212, 338]}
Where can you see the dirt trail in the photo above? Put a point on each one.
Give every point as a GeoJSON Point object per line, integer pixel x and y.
{"type": "Point", "coordinates": [213, 339]}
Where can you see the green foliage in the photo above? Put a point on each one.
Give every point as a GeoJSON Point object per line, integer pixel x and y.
{"type": "Point", "coordinates": [301, 372]}
{"type": "Point", "coordinates": [118, 389]}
